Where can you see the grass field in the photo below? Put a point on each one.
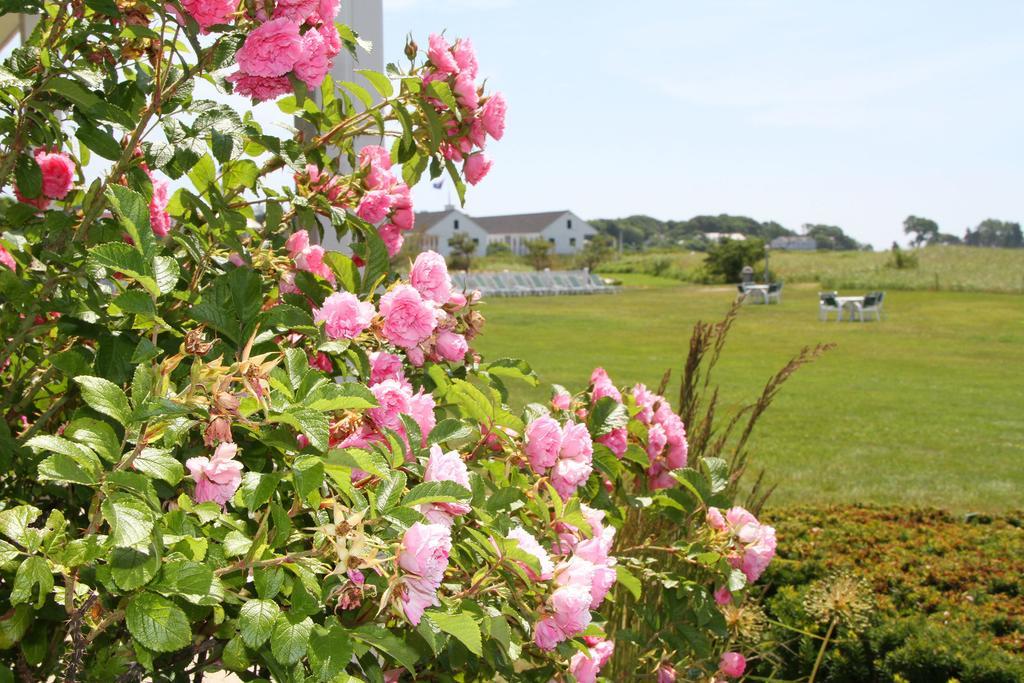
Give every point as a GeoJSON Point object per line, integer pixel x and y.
{"type": "Point", "coordinates": [947, 268]}
{"type": "Point", "coordinates": [924, 408]}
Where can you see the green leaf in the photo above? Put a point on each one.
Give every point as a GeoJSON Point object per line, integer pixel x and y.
{"type": "Point", "coordinates": [166, 273]}
{"type": "Point", "coordinates": [157, 623]}
{"type": "Point", "coordinates": [471, 400]}
{"type": "Point", "coordinates": [461, 626]}
{"type": "Point", "coordinates": [97, 435]}
{"type": "Point", "coordinates": [159, 464]}
{"type": "Point", "coordinates": [33, 572]}
{"type": "Point", "coordinates": [290, 638]}
{"type": "Point", "coordinates": [133, 210]}
{"type": "Point", "coordinates": [330, 651]}
{"type": "Point", "coordinates": [203, 174]}
{"type": "Point", "coordinates": [345, 269]}
{"type": "Point", "coordinates": [105, 397]}
{"type": "Point", "coordinates": [132, 568]}
{"type": "Point", "coordinates": [514, 368]}
{"type": "Point", "coordinates": [388, 643]}
{"type": "Point", "coordinates": [312, 423]}
{"type": "Point", "coordinates": [449, 429]}
{"type": "Point", "coordinates": [623, 576]}
{"type": "Point", "coordinates": [380, 82]}
{"type": "Point", "coordinates": [98, 140]}
{"type": "Point", "coordinates": [437, 492]}
{"type": "Point", "coordinates": [717, 472]}
{"type": "Point", "coordinates": [390, 491]}
{"type": "Point", "coordinates": [307, 474]}
{"type": "Point", "coordinates": [131, 521]}
{"type": "Point", "coordinates": [354, 458]}
{"type": "Point", "coordinates": [256, 621]}
{"type": "Point", "coordinates": [606, 415]}
{"type": "Point", "coordinates": [257, 488]}
{"type": "Point", "coordinates": [64, 469]}
{"type": "Point", "coordinates": [28, 176]}
{"type": "Point", "coordinates": [14, 522]}
{"type": "Point", "coordinates": [135, 302]}
{"type": "Point", "coordinates": [348, 396]}
{"type": "Point", "coordinates": [73, 91]}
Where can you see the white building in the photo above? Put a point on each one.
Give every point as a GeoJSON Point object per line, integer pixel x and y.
{"type": "Point", "coordinates": [722, 236]}
{"type": "Point", "coordinates": [566, 231]}
{"type": "Point", "coordinates": [434, 229]}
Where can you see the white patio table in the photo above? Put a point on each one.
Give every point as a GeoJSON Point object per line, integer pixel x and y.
{"type": "Point", "coordinates": [853, 302]}
{"type": "Point", "coordinates": [759, 289]}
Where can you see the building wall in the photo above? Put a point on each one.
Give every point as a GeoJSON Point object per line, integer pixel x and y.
{"type": "Point", "coordinates": [446, 228]}
{"type": "Point", "coordinates": [568, 233]}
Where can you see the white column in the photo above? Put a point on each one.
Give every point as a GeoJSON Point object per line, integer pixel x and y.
{"type": "Point", "coordinates": [366, 17]}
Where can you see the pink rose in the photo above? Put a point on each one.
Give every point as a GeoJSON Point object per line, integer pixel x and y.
{"type": "Point", "coordinates": [569, 475]}
{"type": "Point", "coordinates": [445, 467]}
{"type": "Point", "coordinates": [384, 365]}
{"type": "Point", "coordinates": [616, 441]}
{"type": "Point", "coordinates": [645, 400]}
{"type": "Point", "coordinates": [715, 519]}
{"type": "Point", "coordinates": [723, 596]}
{"type": "Point", "coordinates": [296, 10]}
{"type": "Point", "coordinates": [604, 579]}
{"type": "Point", "coordinates": [528, 544]}
{"type": "Point", "coordinates": [332, 40]}
{"type": "Point", "coordinates": [465, 91]}
{"type": "Point", "coordinates": [440, 55]}
{"type": "Point", "coordinates": [415, 356]}
{"type": "Point", "coordinates": [738, 517]}
{"type": "Point", "coordinates": [392, 402]}
{"type": "Point", "coordinates": [58, 173]}
{"type": "Point", "coordinates": [421, 408]}
{"type": "Point", "coordinates": [543, 440]}
{"type": "Point", "coordinates": [344, 315]}
{"type": "Point", "coordinates": [374, 206]}
{"type": "Point", "coordinates": [271, 49]}
{"type": "Point", "coordinates": [374, 155]}
{"type": "Point", "coordinates": [476, 167]}
{"type": "Point", "coordinates": [328, 10]}
{"type": "Point", "coordinates": [656, 440]}
{"type": "Point", "coordinates": [547, 634]}
{"type": "Point", "coordinates": [429, 275]}
{"type": "Point", "coordinates": [603, 386]}
{"type": "Point", "coordinates": [408, 319]}
{"type": "Point", "coordinates": [311, 260]}
{"type": "Point", "coordinates": [465, 56]}
{"type": "Point", "coordinates": [159, 219]}
{"type": "Point", "coordinates": [6, 259]}
{"type": "Point", "coordinates": [493, 115]}
{"type": "Point", "coordinates": [209, 13]}
{"type": "Point", "coordinates": [260, 88]}
{"type": "Point", "coordinates": [571, 607]}
{"type": "Point", "coordinates": [451, 346]}
{"type": "Point", "coordinates": [576, 443]}
{"type": "Point", "coordinates": [666, 674]}
{"type": "Point", "coordinates": [216, 478]}
{"type": "Point", "coordinates": [392, 237]}
{"type": "Point", "coordinates": [583, 668]}
{"type": "Point", "coordinates": [561, 400]}
{"type": "Point", "coordinates": [732, 664]}
{"type": "Point", "coordinates": [297, 243]}
{"type": "Point", "coordinates": [424, 554]}
{"type": "Point", "coordinates": [758, 551]}
{"type": "Point", "coordinates": [314, 63]}
{"type": "Point", "coordinates": [403, 219]}
{"type": "Point", "coordinates": [321, 361]}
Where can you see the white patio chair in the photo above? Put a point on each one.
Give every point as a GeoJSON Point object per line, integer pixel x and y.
{"type": "Point", "coordinates": [827, 304]}
{"type": "Point", "coordinates": [872, 306]}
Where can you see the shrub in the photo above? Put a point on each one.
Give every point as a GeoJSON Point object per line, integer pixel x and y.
{"type": "Point", "coordinates": [725, 260]}
{"type": "Point", "coordinates": [225, 448]}
{"type": "Point", "coordinates": [538, 253]}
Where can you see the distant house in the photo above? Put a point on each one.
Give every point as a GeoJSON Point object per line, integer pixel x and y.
{"type": "Point", "coordinates": [722, 236]}
{"type": "Point", "coordinates": [434, 229]}
{"type": "Point", "coordinates": [798, 243]}
{"type": "Point", "coordinates": [563, 229]}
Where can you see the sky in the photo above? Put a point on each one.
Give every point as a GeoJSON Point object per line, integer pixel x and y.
{"type": "Point", "coordinates": [850, 114]}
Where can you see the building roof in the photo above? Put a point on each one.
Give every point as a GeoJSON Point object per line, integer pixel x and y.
{"type": "Point", "coordinates": [521, 223]}
{"type": "Point", "coordinates": [428, 219]}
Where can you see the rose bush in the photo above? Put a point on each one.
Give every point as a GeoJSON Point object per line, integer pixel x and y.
{"type": "Point", "coordinates": [224, 447]}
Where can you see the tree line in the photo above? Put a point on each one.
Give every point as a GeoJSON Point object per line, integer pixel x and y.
{"type": "Point", "coordinates": [989, 233]}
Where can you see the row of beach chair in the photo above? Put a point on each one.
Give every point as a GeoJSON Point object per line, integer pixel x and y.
{"type": "Point", "coordinates": [536, 283]}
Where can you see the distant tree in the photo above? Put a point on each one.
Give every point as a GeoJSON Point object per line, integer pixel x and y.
{"type": "Point", "coordinates": [831, 237]}
{"type": "Point", "coordinates": [994, 233]}
{"type": "Point", "coordinates": [498, 249]}
{"type": "Point", "coordinates": [726, 259]}
{"type": "Point", "coordinates": [923, 229]}
{"type": "Point", "coordinates": [462, 250]}
{"type": "Point", "coordinates": [596, 251]}
{"type": "Point", "coordinates": [944, 238]}
{"type": "Point", "coordinates": [538, 253]}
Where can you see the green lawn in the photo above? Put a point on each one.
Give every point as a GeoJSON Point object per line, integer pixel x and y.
{"type": "Point", "coordinates": [924, 408]}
